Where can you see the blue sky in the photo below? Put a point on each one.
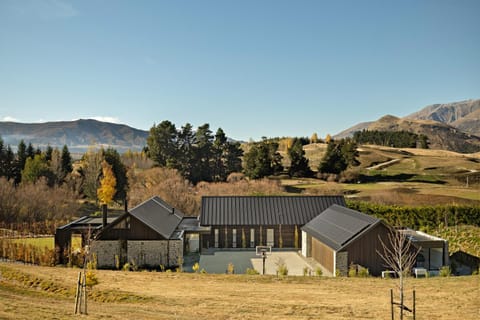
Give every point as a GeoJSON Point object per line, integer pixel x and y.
{"type": "Point", "coordinates": [254, 68]}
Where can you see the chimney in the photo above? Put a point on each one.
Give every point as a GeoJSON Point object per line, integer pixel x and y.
{"type": "Point", "coordinates": [173, 211]}
{"type": "Point", "coordinates": [104, 215]}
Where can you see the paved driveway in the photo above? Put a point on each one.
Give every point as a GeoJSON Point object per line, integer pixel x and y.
{"type": "Point", "coordinates": [217, 262]}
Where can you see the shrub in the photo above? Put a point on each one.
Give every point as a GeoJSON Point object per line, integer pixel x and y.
{"type": "Point", "coordinates": [306, 271]}
{"type": "Point", "coordinates": [251, 271]}
{"type": "Point", "coordinates": [126, 267]}
{"type": "Point", "coordinates": [445, 271]}
{"type": "Point", "coordinates": [91, 278]}
{"type": "Point", "coordinates": [230, 268]}
{"type": "Point", "coordinates": [117, 262]}
{"type": "Point", "coordinates": [363, 273]}
{"type": "Point", "coordinates": [318, 271]}
{"type": "Point", "coordinates": [282, 269]}
{"type": "Point", "coordinates": [352, 271]}
{"type": "Point", "coordinates": [196, 267]}
{"type": "Point", "coordinates": [203, 271]}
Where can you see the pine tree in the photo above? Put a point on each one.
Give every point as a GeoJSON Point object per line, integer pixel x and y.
{"type": "Point", "coordinates": [298, 162]}
{"type": "Point", "coordinates": [66, 160]}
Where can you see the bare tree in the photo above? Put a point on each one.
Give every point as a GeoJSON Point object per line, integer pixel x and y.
{"type": "Point", "coordinates": [399, 255]}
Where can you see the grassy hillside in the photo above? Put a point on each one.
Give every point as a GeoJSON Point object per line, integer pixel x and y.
{"type": "Point", "coordinates": [402, 176]}
{"type": "Point", "coordinates": [30, 292]}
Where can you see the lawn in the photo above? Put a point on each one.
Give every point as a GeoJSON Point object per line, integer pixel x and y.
{"type": "Point", "coordinates": [49, 242]}
{"type": "Point", "coordinates": [29, 292]}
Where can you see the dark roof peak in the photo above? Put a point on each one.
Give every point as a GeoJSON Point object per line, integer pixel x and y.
{"type": "Point", "coordinates": [158, 215]}
{"type": "Point", "coordinates": [337, 226]}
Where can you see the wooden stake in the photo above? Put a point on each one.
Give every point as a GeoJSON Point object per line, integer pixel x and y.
{"type": "Point", "coordinates": [414, 310]}
{"type": "Point", "coordinates": [391, 304]}
{"type": "Point", "coordinates": [84, 293]}
{"type": "Point", "coordinates": [77, 293]}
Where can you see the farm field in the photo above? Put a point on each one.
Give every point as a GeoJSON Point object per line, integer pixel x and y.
{"type": "Point", "coordinates": [28, 292]}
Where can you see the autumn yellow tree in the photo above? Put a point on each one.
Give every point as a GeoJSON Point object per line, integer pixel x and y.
{"type": "Point", "coordinates": [107, 184]}
{"type": "Point", "coordinates": [328, 139]}
{"type": "Point", "coordinates": [314, 138]}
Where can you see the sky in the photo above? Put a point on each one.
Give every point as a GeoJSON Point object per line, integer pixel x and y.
{"type": "Point", "coordinates": [254, 68]}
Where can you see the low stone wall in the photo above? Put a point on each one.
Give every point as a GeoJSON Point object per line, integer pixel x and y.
{"type": "Point", "coordinates": [147, 253]}
{"type": "Point", "coordinates": [341, 263]}
{"type": "Point", "coordinates": [106, 253]}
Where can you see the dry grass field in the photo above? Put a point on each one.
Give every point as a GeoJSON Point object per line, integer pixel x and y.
{"type": "Point", "coordinates": [28, 292]}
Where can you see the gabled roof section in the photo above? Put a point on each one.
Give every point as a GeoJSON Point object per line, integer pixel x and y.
{"type": "Point", "coordinates": [337, 226]}
{"type": "Point", "coordinates": [264, 210]}
{"type": "Point", "coordinates": [158, 215]}
{"type": "Point", "coordinates": [87, 222]}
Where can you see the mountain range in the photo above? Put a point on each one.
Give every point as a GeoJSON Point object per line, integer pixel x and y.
{"type": "Point", "coordinates": [451, 126]}
{"type": "Point", "coordinates": [78, 135]}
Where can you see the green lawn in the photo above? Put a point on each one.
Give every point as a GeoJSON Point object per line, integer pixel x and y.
{"type": "Point", "coordinates": [48, 242]}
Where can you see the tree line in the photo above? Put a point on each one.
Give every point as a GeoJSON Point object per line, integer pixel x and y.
{"type": "Point", "coordinates": [198, 155]}
{"type": "Point", "coordinates": [395, 139]}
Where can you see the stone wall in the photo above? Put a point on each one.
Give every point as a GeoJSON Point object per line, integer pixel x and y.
{"type": "Point", "coordinates": [151, 253]}
{"type": "Point", "coordinates": [105, 252]}
{"type": "Point", "coordinates": [154, 253]}
{"type": "Point", "coordinates": [341, 263]}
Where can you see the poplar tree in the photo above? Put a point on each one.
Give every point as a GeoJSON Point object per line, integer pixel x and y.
{"type": "Point", "coordinates": [107, 189]}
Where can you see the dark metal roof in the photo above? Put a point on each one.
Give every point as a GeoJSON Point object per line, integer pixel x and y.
{"type": "Point", "coordinates": [337, 226]}
{"type": "Point", "coordinates": [192, 224]}
{"type": "Point", "coordinates": [159, 216]}
{"type": "Point", "coordinates": [264, 210]}
{"type": "Point", "coordinates": [86, 222]}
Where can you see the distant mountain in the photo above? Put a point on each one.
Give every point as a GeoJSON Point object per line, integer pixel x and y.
{"type": "Point", "coordinates": [452, 126]}
{"type": "Point", "coordinates": [463, 115]}
{"type": "Point", "coordinates": [350, 131]}
{"type": "Point", "coordinates": [78, 135]}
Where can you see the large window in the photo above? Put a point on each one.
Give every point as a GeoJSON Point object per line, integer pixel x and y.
{"type": "Point", "coordinates": [270, 238]}
{"type": "Point", "coordinates": [216, 238]}
{"type": "Point", "coordinates": [252, 238]}
{"type": "Point", "coordinates": [234, 238]}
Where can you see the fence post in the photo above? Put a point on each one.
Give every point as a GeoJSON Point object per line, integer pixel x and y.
{"type": "Point", "coordinates": [414, 308]}
{"type": "Point", "coordinates": [391, 304]}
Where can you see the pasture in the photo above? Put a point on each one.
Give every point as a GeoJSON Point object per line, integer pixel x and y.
{"type": "Point", "coordinates": [29, 292]}
{"type": "Point", "coordinates": [409, 176]}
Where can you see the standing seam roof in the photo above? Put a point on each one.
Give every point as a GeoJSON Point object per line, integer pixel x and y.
{"type": "Point", "coordinates": [264, 210]}
{"type": "Point", "coordinates": [158, 215]}
{"type": "Point", "coordinates": [338, 226]}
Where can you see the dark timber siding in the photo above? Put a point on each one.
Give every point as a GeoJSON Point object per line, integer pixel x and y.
{"type": "Point", "coordinates": [225, 236]}
{"type": "Point", "coordinates": [363, 251]}
{"type": "Point", "coordinates": [322, 254]}
{"type": "Point", "coordinates": [132, 229]}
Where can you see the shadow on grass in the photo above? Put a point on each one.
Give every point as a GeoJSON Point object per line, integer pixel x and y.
{"type": "Point", "coordinates": [402, 177]}
{"type": "Point", "coordinates": [292, 189]}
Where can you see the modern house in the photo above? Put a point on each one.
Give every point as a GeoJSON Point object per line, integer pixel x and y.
{"type": "Point", "coordinates": [433, 253]}
{"type": "Point", "coordinates": [149, 235]}
{"type": "Point", "coordinates": [85, 226]}
{"type": "Point", "coordinates": [340, 237]}
{"type": "Point", "coordinates": [154, 233]}
{"type": "Point", "coordinates": [248, 221]}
